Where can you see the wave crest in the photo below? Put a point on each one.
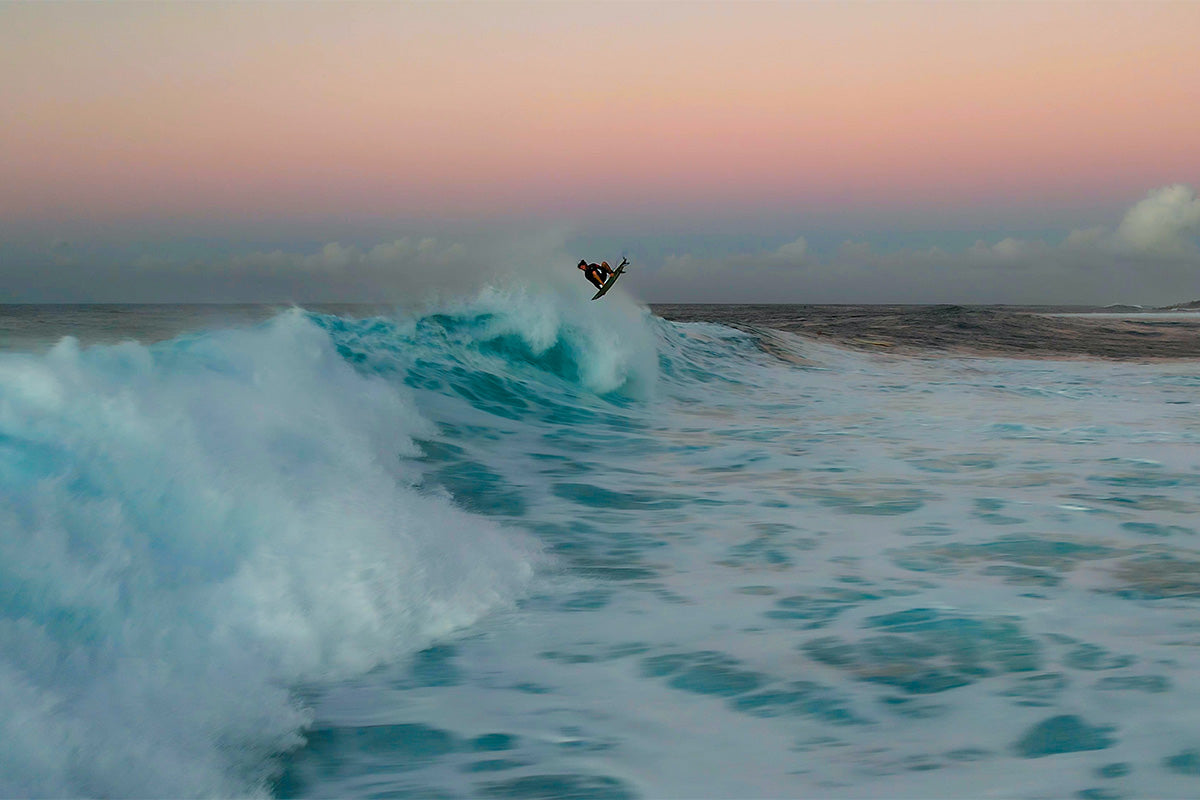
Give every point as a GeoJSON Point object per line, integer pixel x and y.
{"type": "Point", "coordinates": [192, 528]}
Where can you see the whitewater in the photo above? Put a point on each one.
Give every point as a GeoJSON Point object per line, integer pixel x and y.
{"type": "Point", "coordinates": [522, 545]}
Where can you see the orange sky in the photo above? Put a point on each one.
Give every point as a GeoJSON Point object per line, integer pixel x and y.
{"type": "Point", "coordinates": [140, 111]}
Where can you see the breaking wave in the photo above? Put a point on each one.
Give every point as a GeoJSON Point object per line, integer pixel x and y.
{"type": "Point", "coordinates": [191, 530]}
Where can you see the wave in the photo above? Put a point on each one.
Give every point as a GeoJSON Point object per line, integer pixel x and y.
{"type": "Point", "coordinates": [520, 333]}
{"type": "Point", "coordinates": [193, 529]}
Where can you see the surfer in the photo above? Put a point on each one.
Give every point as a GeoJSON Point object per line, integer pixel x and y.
{"type": "Point", "coordinates": [596, 273]}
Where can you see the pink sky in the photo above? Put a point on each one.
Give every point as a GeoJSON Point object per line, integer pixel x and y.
{"type": "Point", "coordinates": [141, 112]}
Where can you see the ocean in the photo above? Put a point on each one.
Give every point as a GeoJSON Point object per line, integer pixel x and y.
{"type": "Point", "coordinates": [523, 545]}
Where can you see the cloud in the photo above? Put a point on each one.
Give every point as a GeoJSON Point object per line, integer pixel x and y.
{"type": "Point", "coordinates": [393, 271]}
{"type": "Point", "coordinates": [401, 270]}
{"type": "Point", "coordinates": [690, 274]}
{"type": "Point", "coordinates": [1148, 255]}
{"type": "Point", "coordinates": [404, 270]}
{"type": "Point", "coordinates": [335, 259]}
{"type": "Point", "coordinates": [1149, 258]}
{"type": "Point", "coordinates": [1163, 222]}
{"type": "Point", "coordinates": [1010, 249]}
{"type": "Point", "coordinates": [793, 251]}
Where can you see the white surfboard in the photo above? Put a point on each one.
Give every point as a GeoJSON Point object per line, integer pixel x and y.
{"type": "Point", "coordinates": [611, 280]}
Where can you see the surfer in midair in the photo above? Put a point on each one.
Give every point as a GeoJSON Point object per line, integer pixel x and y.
{"type": "Point", "coordinates": [596, 273]}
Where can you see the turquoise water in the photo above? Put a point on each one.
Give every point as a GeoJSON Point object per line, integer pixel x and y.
{"type": "Point", "coordinates": [527, 546]}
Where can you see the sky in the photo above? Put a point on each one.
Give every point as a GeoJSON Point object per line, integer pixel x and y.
{"type": "Point", "coordinates": [973, 152]}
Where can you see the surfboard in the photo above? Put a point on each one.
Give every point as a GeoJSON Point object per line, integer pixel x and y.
{"type": "Point", "coordinates": [611, 280]}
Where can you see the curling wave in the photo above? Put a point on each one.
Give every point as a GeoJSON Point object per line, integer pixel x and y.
{"type": "Point", "coordinates": [190, 530]}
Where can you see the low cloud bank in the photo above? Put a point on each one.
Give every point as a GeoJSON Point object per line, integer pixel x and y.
{"type": "Point", "coordinates": [1150, 257]}
{"type": "Point", "coordinates": [389, 272]}
{"type": "Point", "coordinates": [404, 270]}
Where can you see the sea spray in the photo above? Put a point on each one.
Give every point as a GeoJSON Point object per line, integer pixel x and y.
{"type": "Point", "coordinates": [605, 347]}
{"type": "Point", "coordinates": [193, 528]}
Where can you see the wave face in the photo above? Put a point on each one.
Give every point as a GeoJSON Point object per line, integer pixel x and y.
{"type": "Point", "coordinates": [526, 545]}
{"type": "Point", "coordinates": [193, 529]}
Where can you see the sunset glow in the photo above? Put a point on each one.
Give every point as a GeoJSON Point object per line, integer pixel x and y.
{"type": "Point", "coordinates": [693, 135]}
{"type": "Point", "coordinates": [127, 111]}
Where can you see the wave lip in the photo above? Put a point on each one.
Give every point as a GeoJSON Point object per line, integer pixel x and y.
{"type": "Point", "coordinates": [606, 349]}
{"type": "Point", "coordinates": [189, 530]}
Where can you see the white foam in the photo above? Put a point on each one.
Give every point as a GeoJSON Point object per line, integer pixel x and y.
{"type": "Point", "coordinates": [612, 341]}
{"type": "Point", "coordinates": [191, 530]}
{"type": "Point", "coordinates": [798, 467]}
